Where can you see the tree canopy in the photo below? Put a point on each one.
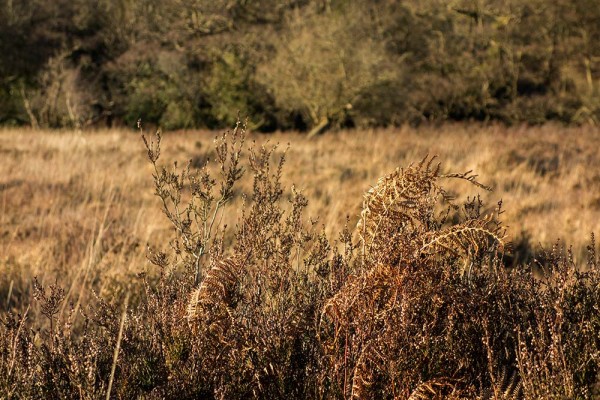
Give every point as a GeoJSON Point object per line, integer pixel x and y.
{"type": "Point", "coordinates": [297, 64]}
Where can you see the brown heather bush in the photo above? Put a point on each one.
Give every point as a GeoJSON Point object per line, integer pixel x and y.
{"type": "Point", "coordinates": [414, 303]}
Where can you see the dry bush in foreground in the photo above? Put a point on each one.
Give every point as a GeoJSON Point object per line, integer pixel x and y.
{"type": "Point", "coordinates": [415, 304]}
{"type": "Point", "coordinates": [433, 313]}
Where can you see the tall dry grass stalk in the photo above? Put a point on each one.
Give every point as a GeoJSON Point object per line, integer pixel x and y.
{"type": "Point", "coordinates": [117, 347]}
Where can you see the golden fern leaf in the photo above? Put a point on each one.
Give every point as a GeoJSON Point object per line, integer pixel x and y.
{"type": "Point", "coordinates": [468, 176]}
{"type": "Point", "coordinates": [217, 287]}
{"type": "Point", "coordinates": [512, 390]}
{"type": "Point", "coordinates": [437, 388]}
{"type": "Point", "coordinates": [404, 197]}
{"type": "Point", "coordinates": [193, 303]}
{"type": "Point", "coordinates": [464, 239]}
{"type": "Point", "coordinates": [377, 286]}
{"type": "Point", "coordinates": [505, 386]}
{"type": "Point", "coordinates": [510, 385]}
{"type": "Point", "coordinates": [398, 200]}
{"type": "Point", "coordinates": [361, 379]}
{"type": "Point", "coordinates": [369, 285]}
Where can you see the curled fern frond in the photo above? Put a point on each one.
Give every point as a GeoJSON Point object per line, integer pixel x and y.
{"type": "Point", "coordinates": [398, 206]}
{"type": "Point", "coordinates": [506, 386]}
{"type": "Point", "coordinates": [466, 239]}
{"type": "Point", "coordinates": [217, 287]}
{"type": "Point", "coordinates": [362, 375]}
{"type": "Point", "coordinates": [436, 388]}
{"type": "Point", "coordinates": [468, 176]}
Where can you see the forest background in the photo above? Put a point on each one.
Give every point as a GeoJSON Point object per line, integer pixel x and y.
{"type": "Point", "coordinates": [297, 64]}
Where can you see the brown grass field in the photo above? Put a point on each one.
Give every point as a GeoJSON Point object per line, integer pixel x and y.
{"type": "Point", "coordinates": [81, 205]}
{"type": "Point", "coordinates": [78, 208]}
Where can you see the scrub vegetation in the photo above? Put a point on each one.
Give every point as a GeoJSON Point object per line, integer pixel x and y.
{"type": "Point", "coordinates": [408, 285]}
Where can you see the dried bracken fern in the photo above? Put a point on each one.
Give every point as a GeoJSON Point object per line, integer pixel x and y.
{"type": "Point", "coordinates": [363, 374]}
{"type": "Point", "coordinates": [408, 251]}
{"type": "Point", "coordinates": [467, 240]}
{"type": "Point", "coordinates": [374, 284]}
{"type": "Point", "coordinates": [217, 287]}
{"type": "Point", "coordinates": [398, 204]}
{"type": "Point", "coordinates": [400, 209]}
{"type": "Point", "coordinates": [506, 386]}
{"type": "Point", "coordinates": [437, 389]}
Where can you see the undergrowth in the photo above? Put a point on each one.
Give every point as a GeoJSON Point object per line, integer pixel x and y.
{"type": "Point", "coordinates": [415, 302]}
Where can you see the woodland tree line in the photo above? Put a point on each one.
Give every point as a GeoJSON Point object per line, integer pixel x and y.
{"type": "Point", "coordinates": [297, 64]}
